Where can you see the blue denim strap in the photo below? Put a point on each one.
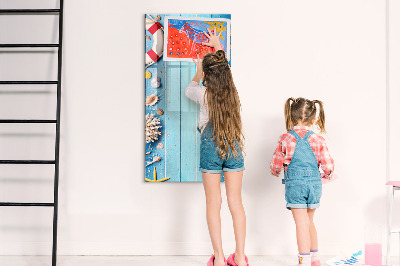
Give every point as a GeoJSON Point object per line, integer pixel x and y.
{"type": "Point", "coordinates": [294, 133]}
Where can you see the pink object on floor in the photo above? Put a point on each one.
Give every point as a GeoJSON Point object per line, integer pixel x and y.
{"type": "Point", "coordinates": [231, 260]}
{"type": "Point", "coordinates": [373, 254]}
{"type": "Point", "coordinates": [333, 178]}
{"type": "Point", "coordinates": [316, 263]}
{"type": "Point", "coordinates": [393, 183]}
{"type": "Point", "coordinates": [211, 261]}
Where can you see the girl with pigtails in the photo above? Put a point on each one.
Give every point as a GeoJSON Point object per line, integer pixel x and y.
{"type": "Point", "coordinates": [302, 154]}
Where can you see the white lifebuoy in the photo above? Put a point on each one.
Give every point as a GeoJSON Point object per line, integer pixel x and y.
{"type": "Point", "coordinates": [156, 51]}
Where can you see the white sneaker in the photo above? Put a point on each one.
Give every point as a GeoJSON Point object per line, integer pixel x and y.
{"type": "Point", "coordinates": [304, 260]}
{"type": "Point", "coordinates": [315, 259]}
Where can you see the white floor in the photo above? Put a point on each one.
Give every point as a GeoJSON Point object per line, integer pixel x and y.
{"type": "Point", "coordinates": [142, 260]}
{"type": "Point", "coordinates": [135, 260]}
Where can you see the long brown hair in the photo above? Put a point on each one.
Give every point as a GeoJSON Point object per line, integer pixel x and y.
{"type": "Point", "coordinates": [303, 110]}
{"type": "Point", "coordinates": [223, 104]}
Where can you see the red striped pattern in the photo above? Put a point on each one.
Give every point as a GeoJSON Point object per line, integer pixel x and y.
{"type": "Point", "coordinates": [155, 27]}
{"type": "Point", "coordinates": [153, 55]}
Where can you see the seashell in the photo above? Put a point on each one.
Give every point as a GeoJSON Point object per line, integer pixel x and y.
{"type": "Point", "coordinates": [158, 17]}
{"type": "Point", "coordinates": [155, 159]}
{"type": "Point", "coordinates": [160, 112]}
{"type": "Point", "coordinates": [147, 153]}
{"type": "Point", "coordinates": [155, 82]}
{"type": "Point", "coordinates": [151, 100]}
{"type": "Point", "coordinates": [147, 37]}
{"type": "Point", "coordinates": [147, 74]}
{"type": "Point", "coordinates": [160, 146]}
{"type": "Point", "coordinates": [152, 128]}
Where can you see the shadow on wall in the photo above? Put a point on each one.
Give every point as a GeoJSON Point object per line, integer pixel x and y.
{"type": "Point", "coordinates": [260, 186]}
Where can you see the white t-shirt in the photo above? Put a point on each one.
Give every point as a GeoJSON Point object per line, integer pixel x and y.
{"type": "Point", "coordinates": [196, 93]}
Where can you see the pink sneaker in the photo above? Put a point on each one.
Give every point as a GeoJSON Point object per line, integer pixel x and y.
{"type": "Point", "coordinates": [231, 260]}
{"type": "Point", "coordinates": [211, 261]}
{"type": "Point", "coordinates": [316, 263]}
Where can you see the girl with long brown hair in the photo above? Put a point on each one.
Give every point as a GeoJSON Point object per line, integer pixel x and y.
{"type": "Point", "coordinates": [221, 147]}
{"type": "Point", "coordinates": [302, 153]}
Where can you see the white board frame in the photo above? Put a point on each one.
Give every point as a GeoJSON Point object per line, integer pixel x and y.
{"type": "Point", "coordinates": [228, 41]}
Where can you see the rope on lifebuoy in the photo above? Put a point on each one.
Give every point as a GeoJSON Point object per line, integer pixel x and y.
{"type": "Point", "coordinates": [151, 18]}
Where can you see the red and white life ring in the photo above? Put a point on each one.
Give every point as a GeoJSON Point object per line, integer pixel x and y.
{"type": "Point", "coordinates": [156, 51]}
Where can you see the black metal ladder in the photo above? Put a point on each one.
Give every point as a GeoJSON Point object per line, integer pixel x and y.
{"type": "Point", "coordinates": [57, 82]}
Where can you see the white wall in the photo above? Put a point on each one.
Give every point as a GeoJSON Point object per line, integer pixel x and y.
{"type": "Point", "coordinates": [328, 50]}
{"type": "Point", "coordinates": [393, 109]}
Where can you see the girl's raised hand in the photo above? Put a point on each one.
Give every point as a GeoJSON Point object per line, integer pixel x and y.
{"type": "Point", "coordinates": [199, 70]}
{"type": "Point", "coordinates": [213, 39]}
{"type": "Point", "coordinates": [199, 65]}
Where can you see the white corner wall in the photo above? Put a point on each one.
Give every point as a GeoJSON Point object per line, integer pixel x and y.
{"type": "Point", "coordinates": [393, 110]}
{"type": "Point", "coordinates": [333, 51]}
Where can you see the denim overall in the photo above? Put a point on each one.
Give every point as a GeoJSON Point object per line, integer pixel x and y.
{"type": "Point", "coordinates": [302, 181]}
{"type": "Point", "coordinates": [210, 160]}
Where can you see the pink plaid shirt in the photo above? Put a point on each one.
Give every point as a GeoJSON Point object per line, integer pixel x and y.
{"type": "Point", "coordinates": [287, 144]}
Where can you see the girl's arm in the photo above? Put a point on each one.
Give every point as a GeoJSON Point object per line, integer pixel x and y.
{"type": "Point", "coordinates": [277, 159]}
{"type": "Point", "coordinates": [327, 163]}
{"type": "Point", "coordinates": [213, 39]}
{"type": "Point", "coordinates": [194, 91]}
{"type": "Point", "coordinates": [199, 70]}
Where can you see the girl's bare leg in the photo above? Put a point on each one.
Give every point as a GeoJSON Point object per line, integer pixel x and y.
{"type": "Point", "coordinates": [313, 230]}
{"type": "Point", "coordinates": [302, 221]}
{"type": "Point", "coordinates": [233, 184]}
{"type": "Point", "coordinates": [211, 183]}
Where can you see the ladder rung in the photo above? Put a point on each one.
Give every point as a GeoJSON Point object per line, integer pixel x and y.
{"type": "Point", "coordinates": [33, 45]}
{"type": "Point", "coordinates": [6, 11]}
{"type": "Point", "coordinates": [27, 161]}
{"type": "Point", "coordinates": [38, 204]}
{"type": "Point", "coordinates": [395, 231]}
{"type": "Point", "coordinates": [27, 121]}
{"type": "Point", "coordinates": [29, 82]}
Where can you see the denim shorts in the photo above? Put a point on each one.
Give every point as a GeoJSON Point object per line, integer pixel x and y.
{"type": "Point", "coordinates": [211, 161]}
{"type": "Point", "coordinates": [303, 193]}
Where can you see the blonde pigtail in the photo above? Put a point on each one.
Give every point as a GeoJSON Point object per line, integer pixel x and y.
{"type": "Point", "coordinates": [321, 116]}
{"type": "Point", "coordinates": [288, 114]}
